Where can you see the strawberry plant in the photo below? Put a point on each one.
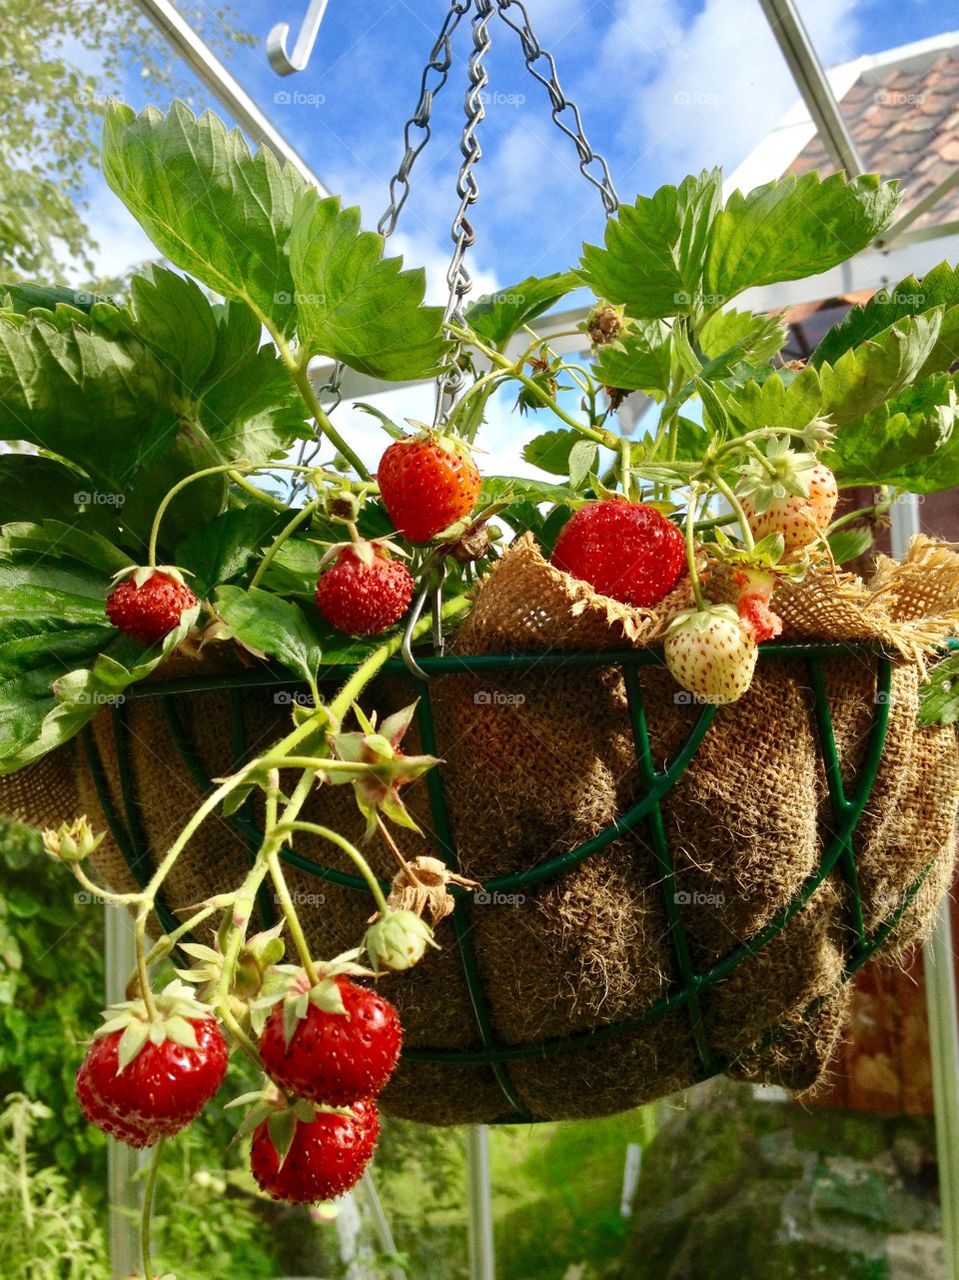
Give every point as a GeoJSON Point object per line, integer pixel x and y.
{"type": "Point", "coordinates": [145, 527]}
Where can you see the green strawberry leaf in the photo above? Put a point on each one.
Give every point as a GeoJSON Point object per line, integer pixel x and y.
{"type": "Point", "coordinates": [655, 250]}
{"type": "Point", "coordinates": [37, 488]}
{"type": "Point", "coordinates": [582, 458]}
{"type": "Point", "coordinates": [222, 550]}
{"type": "Point", "coordinates": [496, 317]}
{"type": "Point", "coordinates": [174, 318]}
{"type": "Point", "coordinates": [276, 627]}
{"type": "Point", "coordinates": [502, 488]}
{"type": "Point", "coordinates": [867, 375]}
{"type": "Point", "coordinates": [850, 543]}
{"type": "Point", "coordinates": [550, 451]}
{"type": "Point", "coordinates": [910, 442]}
{"type": "Point", "coordinates": [939, 696]}
{"type": "Point", "coordinates": [794, 227]}
{"type": "Point", "coordinates": [69, 388]}
{"type": "Point", "coordinates": [641, 360]}
{"type": "Point", "coordinates": [910, 297]}
{"type": "Point", "coordinates": [246, 403]}
{"type": "Point", "coordinates": [208, 205]}
{"type": "Point", "coordinates": [53, 541]}
{"type": "Point", "coordinates": [355, 305]}
{"type": "Point", "coordinates": [782, 399]}
{"type": "Point", "coordinates": [734, 336]}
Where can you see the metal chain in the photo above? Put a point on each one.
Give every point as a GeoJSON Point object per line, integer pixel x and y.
{"type": "Point", "coordinates": [436, 70]}
{"type": "Point", "coordinates": [532, 53]}
{"type": "Point", "coordinates": [457, 277]}
{"type": "Point", "coordinates": [416, 134]}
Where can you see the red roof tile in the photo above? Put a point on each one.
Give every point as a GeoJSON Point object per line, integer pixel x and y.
{"type": "Point", "coordinates": [906, 126]}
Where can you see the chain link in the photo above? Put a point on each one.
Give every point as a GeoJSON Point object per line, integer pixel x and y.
{"type": "Point", "coordinates": [532, 53]}
{"type": "Point", "coordinates": [417, 133]}
{"type": "Point", "coordinates": [463, 236]}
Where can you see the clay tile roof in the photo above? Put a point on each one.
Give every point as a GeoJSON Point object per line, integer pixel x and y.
{"type": "Point", "coordinates": [906, 126]}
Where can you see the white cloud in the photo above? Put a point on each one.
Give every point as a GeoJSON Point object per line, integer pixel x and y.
{"type": "Point", "coordinates": [706, 92]}
{"type": "Point", "coordinates": [120, 241]}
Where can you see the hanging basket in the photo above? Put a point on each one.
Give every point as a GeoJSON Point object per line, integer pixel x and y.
{"type": "Point", "coordinates": [670, 890]}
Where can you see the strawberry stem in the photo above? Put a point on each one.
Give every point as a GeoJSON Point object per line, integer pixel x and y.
{"type": "Point", "coordinates": [288, 529]}
{"type": "Point", "coordinates": [326, 833]}
{"type": "Point", "coordinates": [737, 509]}
{"type": "Point", "coordinates": [691, 547]}
{"type": "Point", "coordinates": [143, 972]}
{"type": "Point", "coordinates": [178, 488]}
{"type": "Point", "coordinates": [146, 1219]}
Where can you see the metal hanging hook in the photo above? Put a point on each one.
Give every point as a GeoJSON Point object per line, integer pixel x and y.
{"type": "Point", "coordinates": [283, 63]}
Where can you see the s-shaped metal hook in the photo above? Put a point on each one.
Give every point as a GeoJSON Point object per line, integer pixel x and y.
{"type": "Point", "coordinates": [283, 63]}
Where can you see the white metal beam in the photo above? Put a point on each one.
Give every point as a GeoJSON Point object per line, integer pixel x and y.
{"type": "Point", "coordinates": [207, 66]}
{"type": "Point", "coordinates": [807, 71]}
{"type": "Point", "coordinates": [941, 1007]}
{"type": "Point", "coordinates": [482, 1256]}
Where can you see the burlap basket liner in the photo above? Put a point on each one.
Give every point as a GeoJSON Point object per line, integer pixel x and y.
{"type": "Point", "coordinates": [537, 763]}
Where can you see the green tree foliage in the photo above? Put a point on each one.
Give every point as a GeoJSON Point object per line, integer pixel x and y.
{"type": "Point", "coordinates": [52, 109]}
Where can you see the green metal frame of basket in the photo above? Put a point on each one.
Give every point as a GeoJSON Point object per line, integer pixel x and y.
{"type": "Point", "coordinates": [686, 993]}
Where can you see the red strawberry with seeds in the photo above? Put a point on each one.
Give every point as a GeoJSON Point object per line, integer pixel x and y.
{"type": "Point", "coordinates": [711, 653]}
{"type": "Point", "coordinates": [153, 1074]}
{"type": "Point", "coordinates": [427, 483]}
{"type": "Point", "coordinates": [625, 550]}
{"type": "Point", "coordinates": [95, 1110]}
{"type": "Point", "coordinates": [149, 604]}
{"type": "Point", "coordinates": [364, 592]}
{"type": "Point", "coordinates": [334, 1043]}
{"type": "Point", "coordinates": [325, 1158]}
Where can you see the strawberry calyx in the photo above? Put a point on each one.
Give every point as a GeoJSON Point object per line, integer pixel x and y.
{"type": "Point", "coordinates": [176, 1010]}
{"type": "Point", "coordinates": [71, 841]}
{"type": "Point", "coordinates": [297, 992]}
{"type": "Point", "coordinates": [700, 620]}
{"type": "Point", "coordinates": [257, 964]}
{"type": "Point", "coordinates": [397, 940]}
{"type": "Point", "coordinates": [382, 768]}
{"type": "Point", "coordinates": [141, 574]}
{"type": "Point", "coordinates": [282, 1112]}
{"type": "Point", "coordinates": [364, 549]}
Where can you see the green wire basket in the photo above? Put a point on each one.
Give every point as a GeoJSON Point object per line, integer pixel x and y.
{"type": "Point", "coordinates": [687, 991]}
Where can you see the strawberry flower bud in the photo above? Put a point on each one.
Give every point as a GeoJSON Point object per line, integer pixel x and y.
{"type": "Point", "coordinates": [397, 941]}
{"type": "Point", "coordinates": [71, 841]}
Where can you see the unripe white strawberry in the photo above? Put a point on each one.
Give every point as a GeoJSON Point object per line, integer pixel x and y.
{"type": "Point", "coordinates": [710, 653]}
{"type": "Point", "coordinates": [799, 518]}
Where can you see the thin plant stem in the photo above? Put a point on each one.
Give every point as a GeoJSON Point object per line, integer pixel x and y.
{"type": "Point", "coordinates": [146, 1219]}
{"type": "Point", "coordinates": [172, 493]}
{"type": "Point", "coordinates": [691, 548]}
{"type": "Point", "coordinates": [736, 506]}
{"type": "Point", "coordinates": [326, 833]}
{"type": "Point", "coordinates": [288, 529]}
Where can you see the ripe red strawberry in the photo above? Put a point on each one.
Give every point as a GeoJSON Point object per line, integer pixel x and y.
{"type": "Point", "coordinates": [326, 1157]}
{"type": "Point", "coordinates": [625, 550]}
{"type": "Point", "coordinates": [153, 1077]}
{"type": "Point", "coordinates": [710, 653]}
{"type": "Point", "coordinates": [800, 519]}
{"type": "Point", "coordinates": [364, 597]}
{"type": "Point", "coordinates": [149, 604]}
{"type": "Point", "coordinates": [753, 604]}
{"type": "Point", "coordinates": [427, 483]}
{"type": "Point", "coordinates": [327, 1056]}
{"type": "Point", "coordinates": [134, 1135]}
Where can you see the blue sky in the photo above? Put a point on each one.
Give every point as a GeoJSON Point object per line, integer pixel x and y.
{"type": "Point", "coordinates": [666, 87]}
